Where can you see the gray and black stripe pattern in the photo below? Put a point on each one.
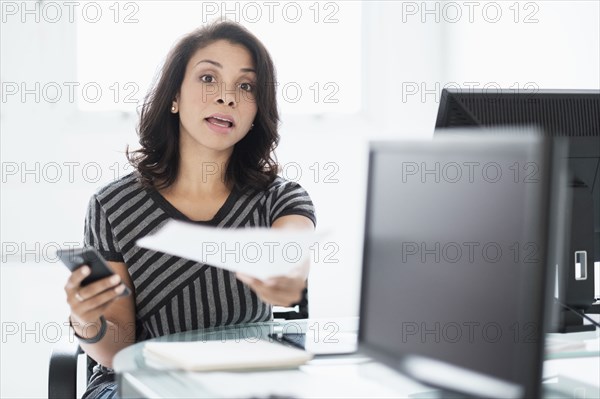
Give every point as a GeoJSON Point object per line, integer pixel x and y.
{"type": "Point", "coordinates": [174, 294]}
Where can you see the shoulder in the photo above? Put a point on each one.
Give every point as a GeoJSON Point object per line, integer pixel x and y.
{"type": "Point", "coordinates": [280, 185]}
{"type": "Point", "coordinates": [286, 197]}
{"type": "Point", "coordinates": [126, 185]}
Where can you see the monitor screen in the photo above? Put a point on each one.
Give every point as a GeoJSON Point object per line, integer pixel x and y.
{"type": "Point", "coordinates": [454, 264]}
{"type": "Point", "coordinates": [574, 114]}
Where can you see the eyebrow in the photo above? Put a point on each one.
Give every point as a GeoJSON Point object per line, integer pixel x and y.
{"type": "Point", "coordinates": [215, 63]}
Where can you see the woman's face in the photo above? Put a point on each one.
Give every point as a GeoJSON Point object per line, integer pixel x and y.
{"type": "Point", "coordinates": [216, 102]}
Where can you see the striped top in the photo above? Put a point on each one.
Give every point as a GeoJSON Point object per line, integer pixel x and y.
{"type": "Point", "coordinates": [173, 294]}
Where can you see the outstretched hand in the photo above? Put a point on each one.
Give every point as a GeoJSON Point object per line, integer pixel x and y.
{"type": "Point", "coordinates": [283, 290]}
{"type": "Point", "coordinates": [279, 291]}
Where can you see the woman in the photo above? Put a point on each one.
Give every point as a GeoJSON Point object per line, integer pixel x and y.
{"type": "Point", "coordinates": [207, 132]}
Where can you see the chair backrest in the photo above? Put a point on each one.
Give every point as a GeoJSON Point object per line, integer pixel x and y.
{"type": "Point", "coordinates": [90, 364]}
{"type": "Point", "coordinates": [302, 312]}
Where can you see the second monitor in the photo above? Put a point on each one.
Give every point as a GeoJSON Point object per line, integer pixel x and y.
{"type": "Point", "coordinates": [572, 116]}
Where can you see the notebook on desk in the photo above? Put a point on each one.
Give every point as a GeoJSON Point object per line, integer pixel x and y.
{"type": "Point", "coordinates": [223, 355]}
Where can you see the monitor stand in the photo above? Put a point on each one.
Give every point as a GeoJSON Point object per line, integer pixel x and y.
{"type": "Point", "coordinates": [570, 322]}
{"type": "Point", "coordinates": [594, 309]}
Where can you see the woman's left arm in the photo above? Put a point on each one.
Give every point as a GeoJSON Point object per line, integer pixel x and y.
{"type": "Point", "coordinates": [283, 290]}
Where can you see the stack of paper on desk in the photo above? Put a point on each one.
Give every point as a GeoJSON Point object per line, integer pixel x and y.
{"type": "Point", "coordinates": [259, 252]}
{"type": "Point", "coordinates": [223, 355]}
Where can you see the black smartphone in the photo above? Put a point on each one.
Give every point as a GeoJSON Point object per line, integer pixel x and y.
{"type": "Point", "coordinates": [74, 258]}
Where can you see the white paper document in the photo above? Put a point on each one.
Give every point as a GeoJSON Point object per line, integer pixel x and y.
{"type": "Point", "coordinates": [259, 252]}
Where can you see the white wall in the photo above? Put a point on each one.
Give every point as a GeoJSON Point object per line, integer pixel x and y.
{"type": "Point", "coordinates": [404, 48]}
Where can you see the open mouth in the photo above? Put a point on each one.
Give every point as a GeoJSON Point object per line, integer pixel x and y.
{"type": "Point", "coordinates": [219, 121]}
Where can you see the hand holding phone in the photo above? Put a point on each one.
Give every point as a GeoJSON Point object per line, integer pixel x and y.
{"type": "Point", "coordinates": [91, 288]}
{"type": "Point", "coordinates": [76, 257]}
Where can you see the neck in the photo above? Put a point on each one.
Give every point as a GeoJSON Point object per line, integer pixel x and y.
{"type": "Point", "coordinates": [201, 171]}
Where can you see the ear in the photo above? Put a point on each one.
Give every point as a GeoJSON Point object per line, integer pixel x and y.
{"type": "Point", "coordinates": [175, 104]}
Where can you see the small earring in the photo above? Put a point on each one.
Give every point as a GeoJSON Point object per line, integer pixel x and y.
{"type": "Point", "coordinates": [251, 126]}
{"type": "Point", "coordinates": [173, 109]}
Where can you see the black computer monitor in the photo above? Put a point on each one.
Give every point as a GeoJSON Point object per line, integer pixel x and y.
{"type": "Point", "coordinates": [571, 114]}
{"type": "Point", "coordinates": [454, 280]}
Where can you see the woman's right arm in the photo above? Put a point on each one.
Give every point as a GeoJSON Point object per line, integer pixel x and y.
{"type": "Point", "coordinates": [101, 298]}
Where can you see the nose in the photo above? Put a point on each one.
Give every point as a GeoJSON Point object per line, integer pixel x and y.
{"type": "Point", "coordinates": [227, 97]}
{"type": "Point", "coordinates": [231, 103]}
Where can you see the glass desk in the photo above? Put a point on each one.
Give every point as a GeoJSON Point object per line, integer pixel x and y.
{"type": "Point", "coordinates": [569, 373]}
{"type": "Point", "coordinates": [333, 375]}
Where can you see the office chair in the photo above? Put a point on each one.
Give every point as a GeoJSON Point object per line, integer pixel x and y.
{"type": "Point", "coordinates": [62, 378]}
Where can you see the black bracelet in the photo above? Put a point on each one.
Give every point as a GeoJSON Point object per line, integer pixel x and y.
{"type": "Point", "coordinates": [98, 336]}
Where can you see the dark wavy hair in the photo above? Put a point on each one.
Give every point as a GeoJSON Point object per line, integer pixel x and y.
{"type": "Point", "coordinates": [251, 163]}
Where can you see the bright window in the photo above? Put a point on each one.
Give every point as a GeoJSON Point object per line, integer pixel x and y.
{"type": "Point", "coordinates": [316, 47]}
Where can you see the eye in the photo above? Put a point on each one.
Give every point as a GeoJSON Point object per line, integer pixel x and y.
{"type": "Point", "coordinates": [207, 79]}
{"type": "Point", "coordinates": [247, 87]}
